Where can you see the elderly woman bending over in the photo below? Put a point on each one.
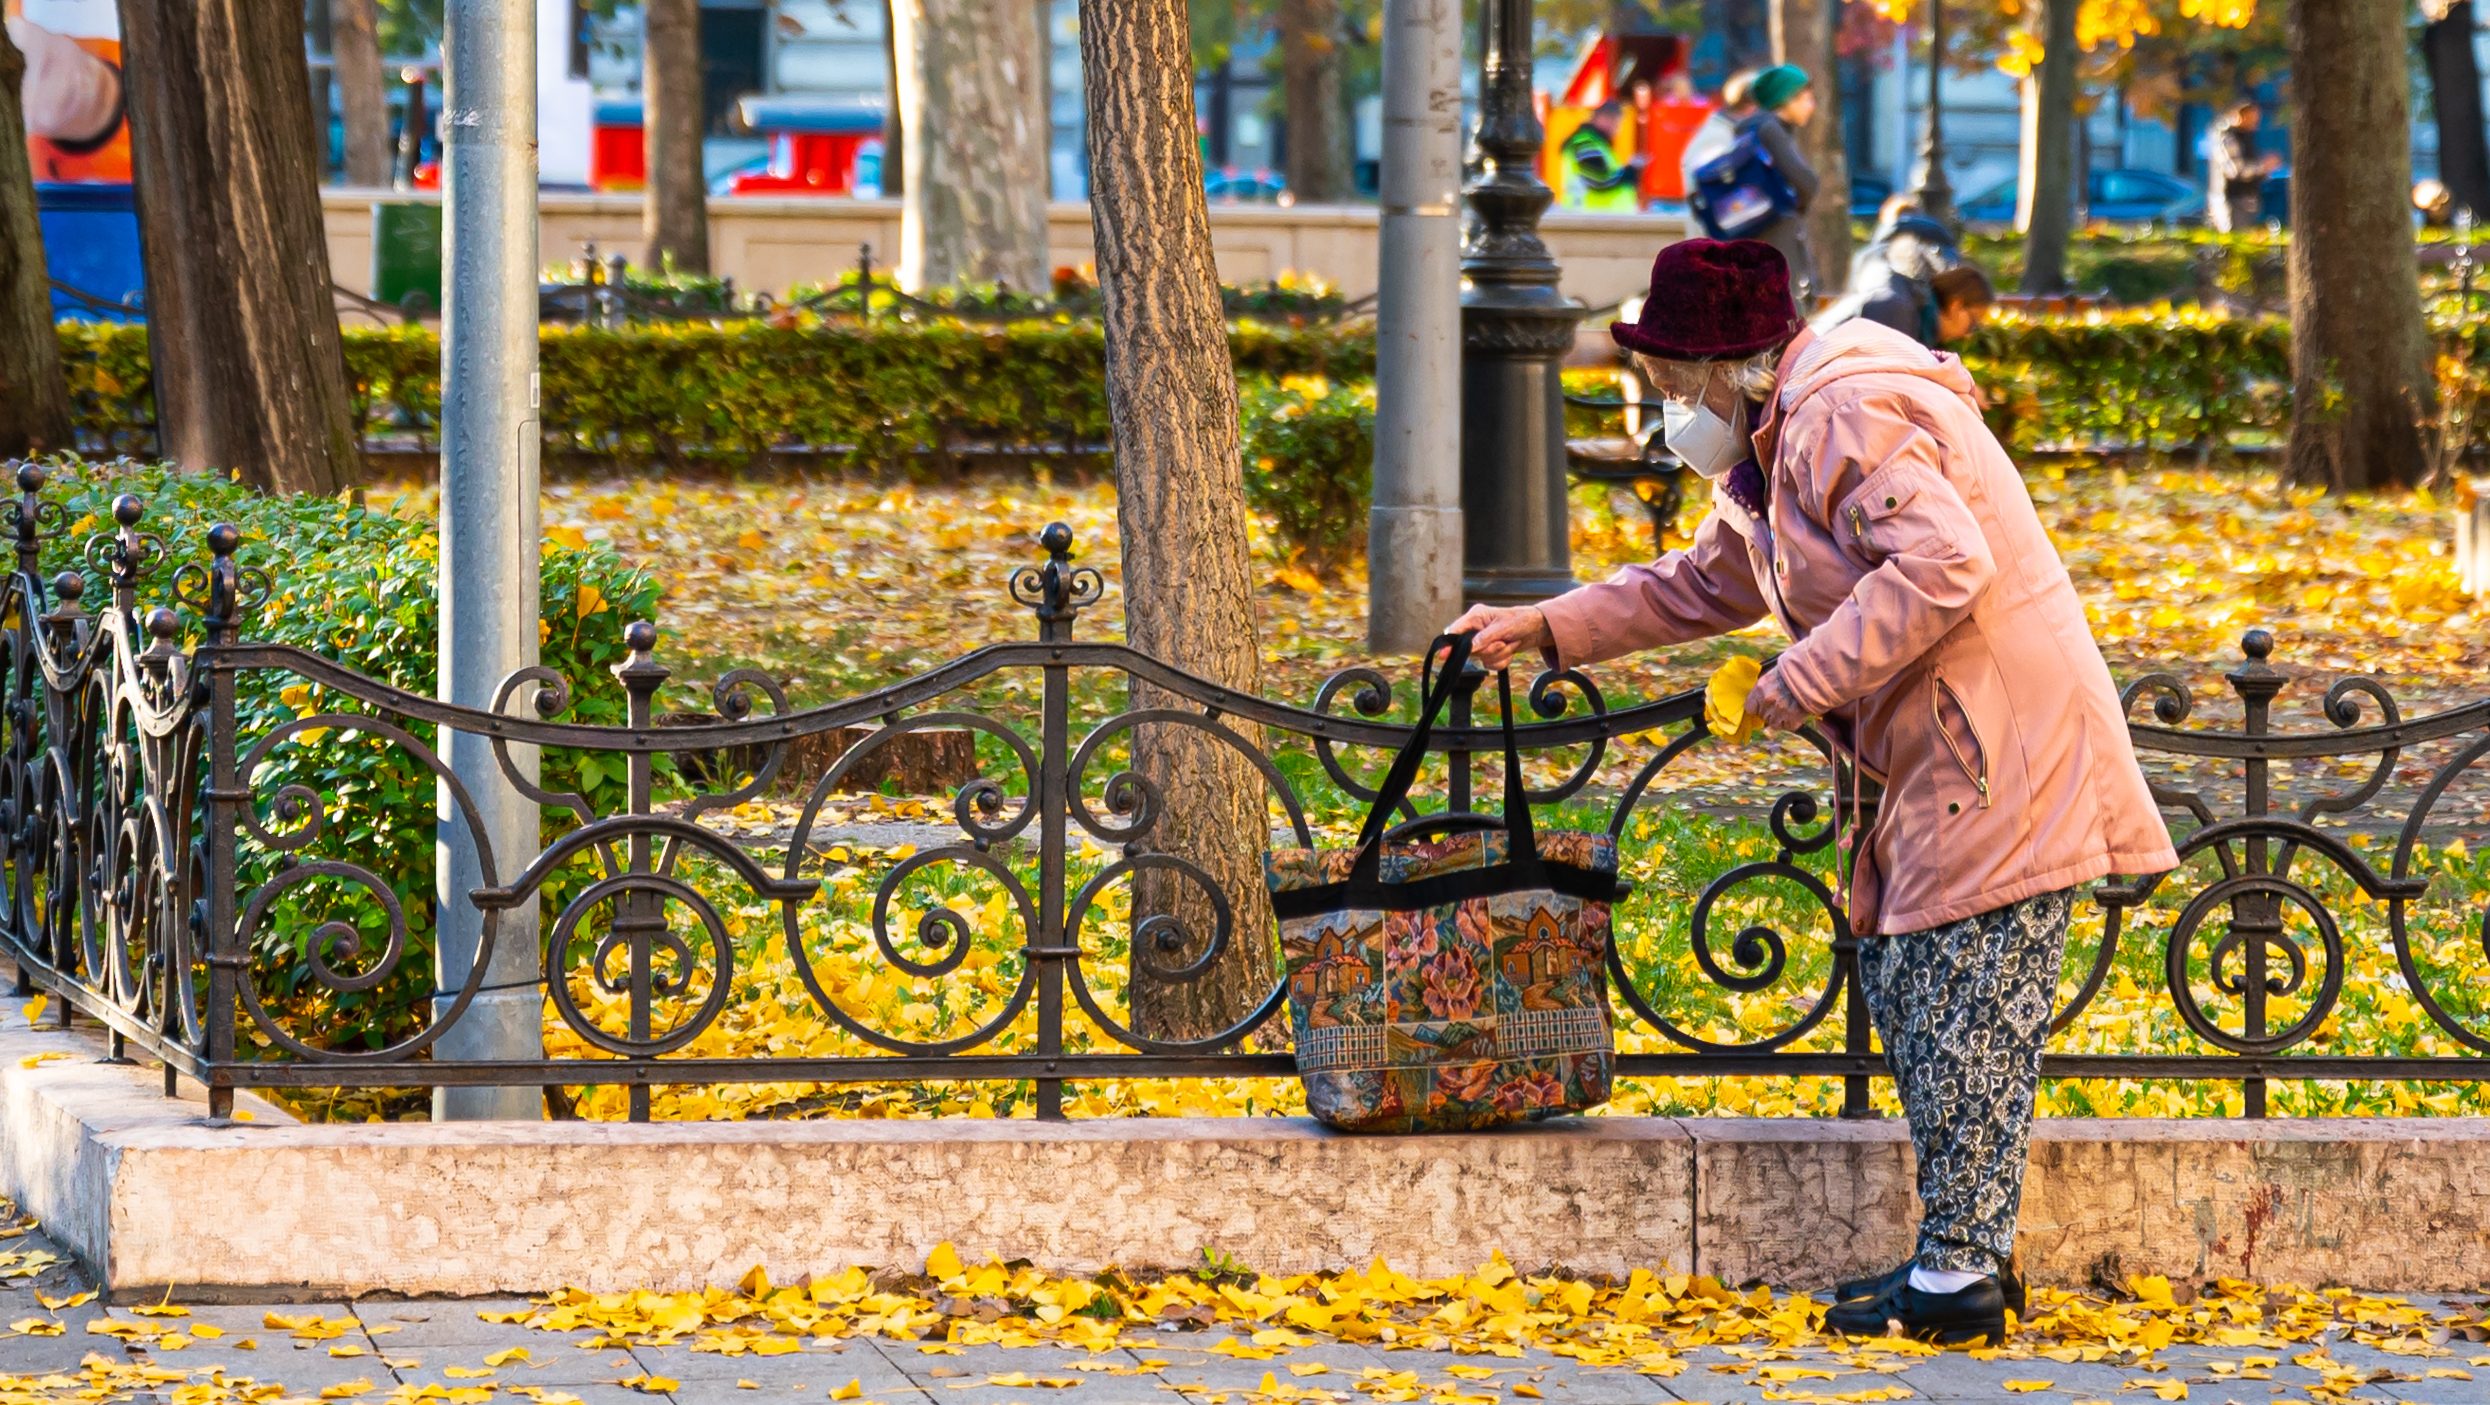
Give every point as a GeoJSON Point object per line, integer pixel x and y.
{"type": "Point", "coordinates": [1860, 501]}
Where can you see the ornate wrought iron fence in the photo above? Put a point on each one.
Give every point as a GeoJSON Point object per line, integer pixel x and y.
{"type": "Point", "coordinates": [188, 864]}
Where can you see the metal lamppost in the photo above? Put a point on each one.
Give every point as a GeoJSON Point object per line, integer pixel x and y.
{"type": "Point", "coordinates": [1515, 330]}
{"type": "Point", "coordinates": [1929, 186]}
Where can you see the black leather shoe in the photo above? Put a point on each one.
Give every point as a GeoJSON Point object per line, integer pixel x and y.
{"type": "Point", "coordinates": [1973, 1314]}
{"type": "Point", "coordinates": [2009, 1283]}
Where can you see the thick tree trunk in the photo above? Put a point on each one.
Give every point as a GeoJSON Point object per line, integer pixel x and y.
{"type": "Point", "coordinates": [354, 43]}
{"type": "Point", "coordinates": [675, 217]}
{"type": "Point", "coordinates": [34, 402]}
{"type": "Point", "coordinates": [1180, 504]}
{"type": "Point", "coordinates": [1318, 137]}
{"type": "Point", "coordinates": [2455, 102]}
{"type": "Point", "coordinates": [2045, 203]}
{"type": "Point", "coordinates": [1802, 33]}
{"type": "Point", "coordinates": [972, 106]}
{"type": "Point", "coordinates": [2359, 354]}
{"type": "Point", "coordinates": [241, 326]}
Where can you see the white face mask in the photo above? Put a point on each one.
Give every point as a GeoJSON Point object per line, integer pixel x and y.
{"type": "Point", "coordinates": [1710, 445]}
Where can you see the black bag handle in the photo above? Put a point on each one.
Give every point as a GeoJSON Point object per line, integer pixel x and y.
{"type": "Point", "coordinates": [1438, 689]}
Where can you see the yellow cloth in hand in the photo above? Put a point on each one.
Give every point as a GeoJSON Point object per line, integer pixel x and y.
{"type": "Point", "coordinates": [1724, 699]}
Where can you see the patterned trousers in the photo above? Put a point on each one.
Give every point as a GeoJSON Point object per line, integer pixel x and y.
{"type": "Point", "coordinates": [1963, 1010]}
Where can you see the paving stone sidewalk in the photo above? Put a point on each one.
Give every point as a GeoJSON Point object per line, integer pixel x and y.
{"type": "Point", "coordinates": [382, 1345]}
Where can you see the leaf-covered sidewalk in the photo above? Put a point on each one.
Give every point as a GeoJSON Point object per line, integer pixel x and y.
{"type": "Point", "coordinates": [950, 1333]}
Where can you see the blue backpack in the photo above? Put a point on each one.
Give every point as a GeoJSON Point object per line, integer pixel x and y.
{"type": "Point", "coordinates": [1740, 193]}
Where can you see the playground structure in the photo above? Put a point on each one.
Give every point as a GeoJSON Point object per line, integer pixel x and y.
{"type": "Point", "coordinates": [1647, 75]}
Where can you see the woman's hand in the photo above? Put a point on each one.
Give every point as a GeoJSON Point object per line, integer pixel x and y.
{"type": "Point", "coordinates": [1770, 703]}
{"type": "Point", "coordinates": [1498, 633]}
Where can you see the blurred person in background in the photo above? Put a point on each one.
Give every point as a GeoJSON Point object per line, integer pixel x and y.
{"type": "Point", "coordinates": [2235, 174]}
{"type": "Point", "coordinates": [1595, 179]}
{"type": "Point", "coordinates": [1785, 100]}
{"type": "Point", "coordinates": [1719, 131]}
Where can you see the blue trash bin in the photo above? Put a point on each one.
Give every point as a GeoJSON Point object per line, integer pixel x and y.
{"type": "Point", "coordinates": [90, 243]}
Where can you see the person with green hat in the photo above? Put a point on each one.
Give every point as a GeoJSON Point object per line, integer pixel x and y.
{"type": "Point", "coordinates": [1785, 100]}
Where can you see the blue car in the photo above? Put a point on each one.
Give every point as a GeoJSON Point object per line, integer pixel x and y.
{"type": "Point", "coordinates": [2121, 196]}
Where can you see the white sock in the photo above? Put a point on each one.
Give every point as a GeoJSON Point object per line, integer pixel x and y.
{"type": "Point", "coordinates": [1942, 1280]}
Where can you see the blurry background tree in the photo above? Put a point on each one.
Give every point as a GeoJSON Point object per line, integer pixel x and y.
{"type": "Point", "coordinates": [2360, 369]}
{"type": "Point", "coordinates": [34, 401]}
{"type": "Point", "coordinates": [362, 89]}
{"type": "Point", "coordinates": [972, 113]}
{"type": "Point", "coordinates": [1802, 33]}
{"type": "Point", "coordinates": [674, 218]}
{"type": "Point", "coordinates": [2455, 102]}
{"type": "Point", "coordinates": [249, 371]}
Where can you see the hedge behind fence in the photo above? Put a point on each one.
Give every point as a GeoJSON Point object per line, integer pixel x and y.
{"type": "Point", "coordinates": [878, 393]}
{"type": "Point", "coordinates": [740, 390]}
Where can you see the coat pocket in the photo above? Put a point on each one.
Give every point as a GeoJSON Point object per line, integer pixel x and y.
{"type": "Point", "coordinates": [1960, 734]}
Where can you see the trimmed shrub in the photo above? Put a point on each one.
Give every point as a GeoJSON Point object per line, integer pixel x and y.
{"type": "Point", "coordinates": [358, 587]}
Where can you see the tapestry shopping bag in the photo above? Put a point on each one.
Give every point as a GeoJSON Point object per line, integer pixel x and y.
{"type": "Point", "coordinates": [1454, 983]}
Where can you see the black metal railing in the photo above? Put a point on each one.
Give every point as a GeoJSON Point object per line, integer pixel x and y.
{"type": "Point", "coordinates": [190, 860]}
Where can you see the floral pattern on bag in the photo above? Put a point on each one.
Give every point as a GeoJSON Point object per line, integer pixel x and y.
{"type": "Point", "coordinates": [1467, 1015]}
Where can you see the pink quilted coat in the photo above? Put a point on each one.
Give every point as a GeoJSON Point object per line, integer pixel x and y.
{"type": "Point", "coordinates": [1937, 634]}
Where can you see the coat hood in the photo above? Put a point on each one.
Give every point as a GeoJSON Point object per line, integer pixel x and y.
{"type": "Point", "coordinates": [1864, 348]}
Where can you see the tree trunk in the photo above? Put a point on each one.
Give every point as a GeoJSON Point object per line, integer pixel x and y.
{"type": "Point", "coordinates": [241, 326]}
{"type": "Point", "coordinates": [1318, 137]}
{"type": "Point", "coordinates": [675, 217]}
{"type": "Point", "coordinates": [1802, 34]}
{"type": "Point", "coordinates": [1745, 30]}
{"type": "Point", "coordinates": [2359, 355]}
{"type": "Point", "coordinates": [2045, 203]}
{"type": "Point", "coordinates": [894, 131]}
{"type": "Point", "coordinates": [972, 105]}
{"type": "Point", "coordinates": [354, 44]}
{"type": "Point", "coordinates": [2455, 103]}
{"type": "Point", "coordinates": [34, 401]}
{"type": "Point", "coordinates": [1180, 496]}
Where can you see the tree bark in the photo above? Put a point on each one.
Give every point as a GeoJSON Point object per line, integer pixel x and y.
{"type": "Point", "coordinates": [34, 401]}
{"type": "Point", "coordinates": [972, 106]}
{"type": "Point", "coordinates": [241, 327]}
{"type": "Point", "coordinates": [675, 216]}
{"type": "Point", "coordinates": [1318, 137]}
{"type": "Point", "coordinates": [354, 46]}
{"type": "Point", "coordinates": [1180, 495]}
{"type": "Point", "coordinates": [1802, 34]}
{"type": "Point", "coordinates": [2455, 102]}
{"type": "Point", "coordinates": [2046, 186]}
{"type": "Point", "coordinates": [2359, 354]}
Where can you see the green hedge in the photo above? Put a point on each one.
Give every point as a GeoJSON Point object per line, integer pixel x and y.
{"type": "Point", "coordinates": [358, 587]}
{"type": "Point", "coordinates": [865, 393]}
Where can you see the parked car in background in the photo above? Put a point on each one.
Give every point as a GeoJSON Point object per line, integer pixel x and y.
{"type": "Point", "coordinates": [1234, 186]}
{"type": "Point", "coordinates": [2121, 196]}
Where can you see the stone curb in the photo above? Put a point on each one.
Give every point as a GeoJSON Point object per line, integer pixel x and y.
{"type": "Point", "coordinates": [149, 1192]}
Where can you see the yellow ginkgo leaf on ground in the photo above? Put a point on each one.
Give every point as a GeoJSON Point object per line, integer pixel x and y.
{"type": "Point", "coordinates": [507, 1355]}
{"type": "Point", "coordinates": [651, 1385]}
{"type": "Point", "coordinates": [34, 1006]}
{"type": "Point", "coordinates": [346, 1390]}
{"type": "Point", "coordinates": [943, 1263]}
{"type": "Point", "coordinates": [1527, 1391]}
{"type": "Point", "coordinates": [466, 1373]}
{"type": "Point", "coordinates": [2028, 1387]}
{"type": "Point", "coordinates": [852, 1390]}
{"type": "Point", "coordinates": [46, 1057]}
{"type": "Point", "coordinates": [1724, 698]}
{"type": "Point", "coordinates": [747, 1385]}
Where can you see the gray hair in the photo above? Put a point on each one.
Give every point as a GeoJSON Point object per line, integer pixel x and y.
{"type": "Point", "coordinates": [1754, 377]}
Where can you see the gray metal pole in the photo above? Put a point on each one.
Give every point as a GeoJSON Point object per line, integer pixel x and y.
{"type": "Point", "coordinates": [1413, 531]}
{"type": "Point", "coordinates": [490, 525]}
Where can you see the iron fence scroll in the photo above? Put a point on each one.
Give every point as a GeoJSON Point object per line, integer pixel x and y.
{"type": "Point", "coordinates": [189, 864]}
